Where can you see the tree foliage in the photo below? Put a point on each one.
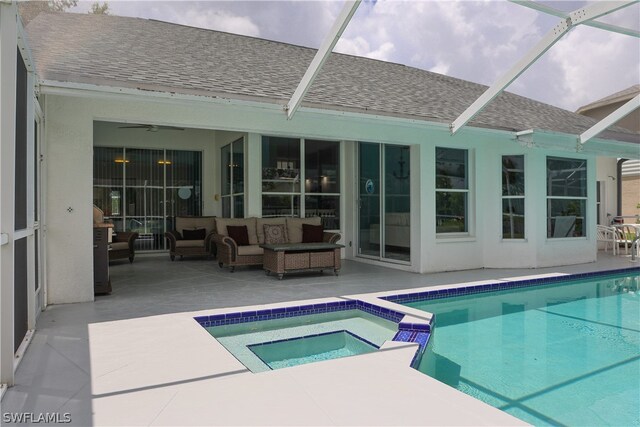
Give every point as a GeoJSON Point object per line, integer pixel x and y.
{"type": "Point", "coordinates": [30, 9]}
{"type": "Point", "coordinates": [99, 9]}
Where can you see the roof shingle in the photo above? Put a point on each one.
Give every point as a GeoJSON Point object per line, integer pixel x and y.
{"type": "Point", "coordinates": [154, 55]}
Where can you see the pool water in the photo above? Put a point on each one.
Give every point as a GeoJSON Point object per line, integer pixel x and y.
{"type": "Point", "coordinates": [283, 337]}
{"type": "Point", "coordinates": [563, 354]}
{"type": "Point", "coordinates": [309, 349]}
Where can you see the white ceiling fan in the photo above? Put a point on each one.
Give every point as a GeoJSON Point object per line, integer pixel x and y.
{"type": "Point", "coordinates": [151, 128]}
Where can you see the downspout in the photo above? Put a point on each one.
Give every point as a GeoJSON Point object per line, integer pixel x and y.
{"type": "Point", "coordinates": [619, 186]}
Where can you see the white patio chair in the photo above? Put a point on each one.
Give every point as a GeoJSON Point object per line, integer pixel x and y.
{"type": "Point", "coordinates": [625, 233]}
{"type": "Point", "coordinates": [607, 235]}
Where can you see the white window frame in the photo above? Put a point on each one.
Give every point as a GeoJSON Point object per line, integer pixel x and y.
{"type": "Point", "coordinates": [470, 205]}
{"type": "Point", "coordinates": [302, 178]}
{"type": "Point", "coordinates": [518, 197]}
{"type": "Point", "coordinates": [585, 198]}
{"type": "Point", "coordinates": [232, 194]}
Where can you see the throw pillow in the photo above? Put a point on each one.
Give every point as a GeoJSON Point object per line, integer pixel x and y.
{"type": "Point", "coordinates": [198, 234]}
{"type": "Point", "coordinates": [274, 234]}
{"type": "Point", "coordinates": [312, 233]}
{"type": "Point", "coordinates": [239, 233]}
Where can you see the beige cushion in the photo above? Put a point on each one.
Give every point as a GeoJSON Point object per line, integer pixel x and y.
{"type": "Point", "coordinates": [260, 222]}
{"type": "Point", "coordinates": [117, 246]}
{"type": "Point", "coordinates": [294, 227]}
{"type": "Point", "coordinates": [249, 250]}
{"type": "Point", "coordinates": [190, 244]}
{"type": "Point", "coordinates": [195, 222]}
{"type": "Point", "coordinates": [221, 224]}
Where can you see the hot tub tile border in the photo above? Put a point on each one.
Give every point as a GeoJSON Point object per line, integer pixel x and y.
{"type": "Point", "coordinates": [298, 310]}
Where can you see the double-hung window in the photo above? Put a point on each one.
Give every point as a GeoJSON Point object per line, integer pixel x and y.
{"type": "Point", "coordinates": [513, 197]}
{"type": "Point", "coordinates": [566, 197]}
{"type": "Point", "coordinates": [452, 190]}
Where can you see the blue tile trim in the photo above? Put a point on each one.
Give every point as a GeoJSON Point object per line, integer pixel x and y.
{"type": "Point", "coordinates": [294, 311]}
{"type": "Point", "coordinates": [499, 286]}
{"type": "Point", "coordinates": [421, 338]}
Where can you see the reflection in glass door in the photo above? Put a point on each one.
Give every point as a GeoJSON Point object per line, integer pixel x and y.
{"type": "Point", "coordinates": [388, 236]}
{"type": "Point", "coordinates": [369, 199]}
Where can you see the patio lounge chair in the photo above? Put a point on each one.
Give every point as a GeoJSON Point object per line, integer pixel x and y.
{"type": "Point", "coordinates": [625, 234]}
{"type": "Point", "coordinates": [122, 244]}
{"type": "Point", "coordinates": [607, 235]}
{"type": "Point", "coordinates": [193, 236]}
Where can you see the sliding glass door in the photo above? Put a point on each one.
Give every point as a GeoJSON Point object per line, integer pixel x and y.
{"type": "Point", "coordinates": [369, 200]}
{"type": "Point", "coordinates": [384, 200]}
{"type": "Point", "coordinates": [143, 190]}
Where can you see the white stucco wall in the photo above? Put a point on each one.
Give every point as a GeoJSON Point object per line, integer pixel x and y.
{"type": "Point", "coordinates": [70, 139]}
{"type": "Point", "coordinates": [606, 171]}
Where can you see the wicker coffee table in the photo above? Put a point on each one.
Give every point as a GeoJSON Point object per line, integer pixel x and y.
{"type": "Point", "coordinates": [287, 257]}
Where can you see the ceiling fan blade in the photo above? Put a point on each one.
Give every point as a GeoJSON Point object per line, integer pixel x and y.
{"type": "Point", "coordinates": [170, 128]}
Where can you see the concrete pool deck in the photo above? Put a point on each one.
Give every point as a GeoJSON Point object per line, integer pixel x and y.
{"type": "Point", "coordinates": [137, 357]}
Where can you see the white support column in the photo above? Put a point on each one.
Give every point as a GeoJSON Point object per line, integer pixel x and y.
{"type": "Point", "coordinates": [576, 17]}
{"type": "Point", "coordinates": [321, 56]}
{"type": "Point", "coordinates": [253, 183]}
{"type": "Point", "coordinates": [8, 49]}
{"type": "Point", "coordinates": [560, 14]}
{"type": "Point", "coordinates": [610, 120]}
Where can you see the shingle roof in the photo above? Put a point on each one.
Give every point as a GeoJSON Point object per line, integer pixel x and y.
{"type": "Point", "coordinates": [623, 95]}
{"type": "Point", "coordinates": [154, 55]}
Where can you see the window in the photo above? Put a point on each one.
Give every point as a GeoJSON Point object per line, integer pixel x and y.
{"type": "Point", "coordinates": [283, 172]}
{"type": "Point", "coordinates": [513, 197]}
{"type": "Point", "coordinates": [452, 190]}
{"type": "Point", "coordinates": [322, 181]}
{"type": "Point", "coordinates": [280, 177]}
{"type": "Point", "coordinates": [232, 169]}
{"type": "Point", "coordinates": [143, 190]}
{"type": "Point", "coordinates": [566, 197]}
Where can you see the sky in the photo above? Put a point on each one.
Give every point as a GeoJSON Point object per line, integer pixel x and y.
{"type": "Point", "coordinates": [472, 40]}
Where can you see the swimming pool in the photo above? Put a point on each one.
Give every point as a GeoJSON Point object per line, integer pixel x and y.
{"type": "Point", "coordinates": [567, 353]}
{"type": "Point", "coordinates": [284, 342]}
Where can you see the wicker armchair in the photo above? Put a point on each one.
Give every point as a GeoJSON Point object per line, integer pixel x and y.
{"type": "Point", "coordinates": [180, 246]}
{"type": "Point", "coordinates": [122, 246]}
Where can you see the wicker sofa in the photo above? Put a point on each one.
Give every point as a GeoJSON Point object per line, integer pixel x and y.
{"type": "Point", "coordinates": [230, 254]}
{"type": "Point", "coordinates": [181, 246]}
